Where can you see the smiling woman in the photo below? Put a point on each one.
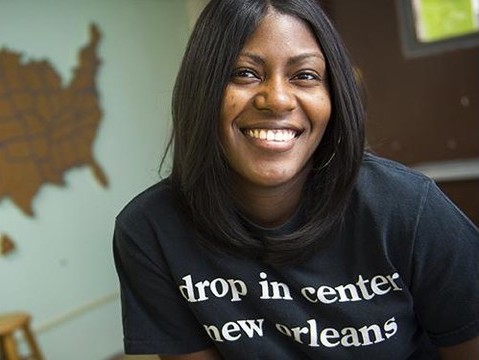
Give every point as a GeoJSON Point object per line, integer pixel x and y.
{"type": "Point", "coordinates": [275, 111]}
{"type": "Point", "coordinates": [242, 62]}
{"type": "Point", "coordinates": [275, 236]}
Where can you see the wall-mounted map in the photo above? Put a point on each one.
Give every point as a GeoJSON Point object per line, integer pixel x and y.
{"type": "Point", "coordinates": [46, 128]}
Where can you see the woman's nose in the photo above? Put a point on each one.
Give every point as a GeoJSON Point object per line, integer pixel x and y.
{"type": "Point", "coordinates": [276, 96]}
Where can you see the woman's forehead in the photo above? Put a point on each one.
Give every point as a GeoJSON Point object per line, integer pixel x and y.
{"type": "Point", "coordinates": [282, 34]}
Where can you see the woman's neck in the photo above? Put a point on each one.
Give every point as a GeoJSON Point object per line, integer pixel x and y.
{"type": "Point", "coordinates": [269, 206]}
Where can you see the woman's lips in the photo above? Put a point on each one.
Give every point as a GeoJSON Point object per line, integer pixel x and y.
{"type": "Point", "coordinates": [272, 139]}
{"type": "Point", "coordinates": [271, 134]}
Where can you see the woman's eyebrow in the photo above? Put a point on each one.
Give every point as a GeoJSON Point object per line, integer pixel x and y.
{"type": "Point", "coordinates": [299, 58]}
{"type": "Point", "coordinates": [291, 61]}
{"type": "Point", "coordinates": [255, 57]}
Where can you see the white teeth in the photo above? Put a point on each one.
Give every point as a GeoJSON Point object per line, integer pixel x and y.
{"type": "Point", "coordinates": [271, 135]}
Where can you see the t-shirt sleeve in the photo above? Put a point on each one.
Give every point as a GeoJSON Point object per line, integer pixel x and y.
{"type": "Point", "coordinates": [445, 279]}
{"type": "Point", "coordinates": [156, 318]}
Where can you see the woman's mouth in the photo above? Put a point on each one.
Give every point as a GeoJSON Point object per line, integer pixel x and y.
{"type": "Point", "coordinates": [279, 135]}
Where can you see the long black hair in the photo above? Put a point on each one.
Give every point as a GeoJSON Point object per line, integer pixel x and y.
{"type": "Point", "coordinates": [200, 173]}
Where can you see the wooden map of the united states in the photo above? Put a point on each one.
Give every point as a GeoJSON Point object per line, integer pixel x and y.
{"type": "Point", "coordinates": [46, 128]}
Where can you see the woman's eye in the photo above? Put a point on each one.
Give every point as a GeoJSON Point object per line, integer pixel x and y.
{"type": "Point", "coordinates": [244, 74]}
{"type": "Point", "coordinates": [307, 76]}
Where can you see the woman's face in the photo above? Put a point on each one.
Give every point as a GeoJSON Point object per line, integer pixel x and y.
{"type": "Point", "coordinates": [276, 106]}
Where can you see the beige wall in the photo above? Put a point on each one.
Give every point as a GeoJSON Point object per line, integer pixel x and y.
{"type": "Point", "coordinates": [194, 8]}
{"type": "Point", "coordinates": [62, 271]}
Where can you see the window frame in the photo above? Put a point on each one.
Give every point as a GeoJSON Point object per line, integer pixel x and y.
{"type": "Point", "coordinates": [412, 47]}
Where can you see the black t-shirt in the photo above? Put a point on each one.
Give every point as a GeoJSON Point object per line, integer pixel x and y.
{"type": "Point", "coordinates": [400, 276]}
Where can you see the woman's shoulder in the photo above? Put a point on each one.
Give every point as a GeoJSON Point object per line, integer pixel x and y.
{"type": "Point", "coordinates": [157, 199]}
{"type": "Point", "coordinates": [388, 192]}
{"type": "Point", "coordinates": [386, 184]}
{"type": "Point", "coordinates": [382, 169]}
{"type": "Point", "coordinates": [379, 174]}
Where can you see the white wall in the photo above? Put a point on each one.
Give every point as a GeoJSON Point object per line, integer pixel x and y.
{"type": "Point", "coordinates": [62, 272]}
